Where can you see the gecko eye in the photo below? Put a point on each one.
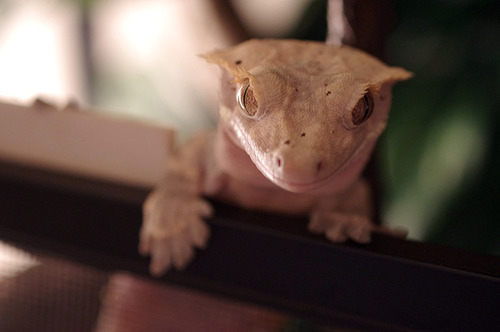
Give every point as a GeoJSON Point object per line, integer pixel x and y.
{"type": "Point", "coordinates": [247, 101]}
{"type": "Point", "coordinates": [363, 109]}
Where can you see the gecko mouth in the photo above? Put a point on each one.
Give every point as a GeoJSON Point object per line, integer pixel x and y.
{"type": "Point", "coordinates": [266, 165]}
{"type": "Point", "coordinates": [315, 182]}
{"type": "Point", "coordinates": [343, 173]}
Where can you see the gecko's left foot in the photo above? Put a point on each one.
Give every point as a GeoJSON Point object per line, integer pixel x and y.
{"type": "Point", "coordinates": [340, 227]}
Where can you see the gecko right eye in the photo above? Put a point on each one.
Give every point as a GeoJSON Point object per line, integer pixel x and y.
{"type": "Point", "coordinates": [247, 101]}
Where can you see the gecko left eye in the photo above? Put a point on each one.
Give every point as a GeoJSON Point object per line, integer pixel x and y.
{"type": "Point", "coordinates": [247, 101]}
{"type": "Point", "coordinates": [363, 109]}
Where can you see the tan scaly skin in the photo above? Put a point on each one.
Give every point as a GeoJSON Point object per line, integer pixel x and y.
{"type": "Point", "coordinates": [298, 123]}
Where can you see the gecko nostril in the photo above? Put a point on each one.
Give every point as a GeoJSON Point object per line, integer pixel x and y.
{"type": "Point", "coordinates": [278, 161]}
{"type": "Point", "coordinates": [287, 142]}
{"type": "Point", "coordinates": [319, 166]}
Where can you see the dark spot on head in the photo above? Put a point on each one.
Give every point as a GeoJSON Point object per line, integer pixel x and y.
{"type": "Point", "coordinates": [238, 62]}
{"type": "Point", "coordinates": [296, 90]}
{"type": "Point", "coordinates": [328, 93]}
{"type": "Point", "coordinates": [287, 142]}
{"type": "Point", "coordinates": [303, 134]}
{"type": "Point", "coordinates": [326, 84]}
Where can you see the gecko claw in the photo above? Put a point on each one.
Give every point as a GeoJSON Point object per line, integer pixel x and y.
{"type": "Point", "coordinates": [339, 227]}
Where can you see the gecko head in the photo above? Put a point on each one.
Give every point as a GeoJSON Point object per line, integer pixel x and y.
{"type": "Point", "coordinates": [308, 114]}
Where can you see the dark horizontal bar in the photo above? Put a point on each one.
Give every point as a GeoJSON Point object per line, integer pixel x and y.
{"type": "Point", "coordinates": [269, 259]}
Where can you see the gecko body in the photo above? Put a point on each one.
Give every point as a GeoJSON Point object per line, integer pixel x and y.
{"type": "Point", "coordinates": [298, 123]}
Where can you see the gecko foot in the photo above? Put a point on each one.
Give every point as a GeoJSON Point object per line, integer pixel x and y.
{"type": "Point", "coordinates": [340, 227]}
{"type": "Point", "coordinates": [172, 228]}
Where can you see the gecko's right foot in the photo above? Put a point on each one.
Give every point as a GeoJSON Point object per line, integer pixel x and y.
{"type": "Point", "coordinates": [172, 228]}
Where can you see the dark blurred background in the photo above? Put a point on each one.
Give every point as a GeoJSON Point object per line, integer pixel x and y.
{"type": "Point", "coordinates": [441, 150]}
{"type": "Point", "coordinates": [438, 159]}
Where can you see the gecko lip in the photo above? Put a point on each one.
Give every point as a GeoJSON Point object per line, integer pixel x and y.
{"type": "Point", "coordinates": [301, 187]}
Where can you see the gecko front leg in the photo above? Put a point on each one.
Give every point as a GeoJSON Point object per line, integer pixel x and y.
{"type": "Point", "coordinates": [173, 224]}
{"type": "Point", "coordinates": [350, 218]}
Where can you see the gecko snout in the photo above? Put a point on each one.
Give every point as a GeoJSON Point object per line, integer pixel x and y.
{"type": "Point", "coordinates": [294, 161]}
{"type": "Point", "coordinates": [297, 168]}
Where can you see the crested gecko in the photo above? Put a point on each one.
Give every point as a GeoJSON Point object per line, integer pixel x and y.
{"type": "Point", "coordinates": [298, 123]}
